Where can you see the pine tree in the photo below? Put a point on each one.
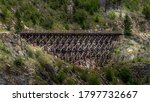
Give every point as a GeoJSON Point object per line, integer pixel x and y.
{"type": "Point", "coordinates": [18, 26]}
{"type": "Point", "coordinates": [127, 25]}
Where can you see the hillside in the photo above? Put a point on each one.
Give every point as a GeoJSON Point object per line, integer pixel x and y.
{"type": "Point", "coordinates": [26, 64]}
{"type": "Point", "coordinates": [21, 63]}
{"type": "Point", "coordinates": [62, 15]}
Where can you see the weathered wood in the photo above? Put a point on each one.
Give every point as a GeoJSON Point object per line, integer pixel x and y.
{"type": "Point", "coordinates": [80, 48]}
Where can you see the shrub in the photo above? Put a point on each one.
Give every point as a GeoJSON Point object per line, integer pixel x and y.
{"type": "Point", "coordinates": [132, 5]}
{"type": "Point", "coordinates": [89, 5]}
{"type": "Point", "coordinates": [111, 15]}
{"type": "Point", "coordinates": [80, 17]}
{"type": "Point", "coordinates": [42, 57]}
{"type": "Point", "coordinates": [18, 26]}
{"type": "Point", "coordinates": [47, 23]}
{"type": "Point", "coordinates": [125, 75]}
{"type": "Point", "coordinates": [3, 47]}
{"type": "Point", "coordinates": [96, 18]}
{"type": "Point", "coordinates": [30, 52]}
{"type": "Point", "coordinates": [70, 81]}
{"type": "Point", "coordinates": [84, 75]}
{"type": "Point", "coordinates": [146, 12]}
{"type": "Point", "coordinates": [137, 59]}
{"type": "Point", "coordinates": [18, 61]}
{"type": "Point", "coordinates": [147, 80]}
{"type": "Point", "coordinates": [127, 26]}
{"type": "Point", "coordinates": [93, 79]}
{"type": "Point", "coordinates": [109, 75]}
{"type": "Point", "coordinates": [61, 76]}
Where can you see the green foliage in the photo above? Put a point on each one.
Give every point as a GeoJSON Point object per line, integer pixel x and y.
{"type": "Point", "coordinates": [42, 57]}
{"type": "Point", "coordinates": [70, 81]}
{"type": "Point", "coordinates": [45, 14]}
{"type": "Point", "coordinates": [7, 17]}
{"type": "Point", "coordinates": [138, 59]}
{"type": "Point", "coordinates": [147, 80]}
{"type": "Point", "coordinates": [55, 4]}
{"type": "Point", "coordinates": [90, 77]}
{"type": "Point", "coordinates": [146, 12]}
{"type": "Point", "coordinates": [61, 76]}
{"type": "Point", "coordinates": [127, 25]}
{"type": "Point", "coordinates": [125, 75]}
{"type": "Point", "coordinates": [109, 75]}
{"type": "Point", "coordinates": [30, 52]}
{"type": "Point", "coordinates": [18, 61]}
{"type": "Point", "coordinates": [3, 47]}
{"type": "Point", "coordinates": [132, 5]}
{"type": "Point", "coordinates": [29, 13]}
{"type": "Point", "coordinates": [96, 18]}
{"type": "Point", "coordinates": [84, 74]}
{"type": "Point", "coordinates": [47, 23]}
{"type": "Point", "coordinates": [111, 15]}
{"type": "Point", "coordinates": [89, 5]}
{"type": "Point", "coordinates": [93, 79]}
{"type": "Point", "coordinates": [19, 26]}
{"type": "Point", "coordinates": [39, 81]}
{"type": "Point", "coordinates": [80, 16]}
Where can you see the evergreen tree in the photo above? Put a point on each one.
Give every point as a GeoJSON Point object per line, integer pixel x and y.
{"type": "Point", "coordinates": [18, 26]}
{"type": "Point", "coordinates": [127, 25]}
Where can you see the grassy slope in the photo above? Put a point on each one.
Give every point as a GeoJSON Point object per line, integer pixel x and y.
{"type": "Point", "coordinates": [32, 65]}
{"type": "Point", "coordinates": [53, 15]}
{"type": "Point", "coordinates": [35, 66]}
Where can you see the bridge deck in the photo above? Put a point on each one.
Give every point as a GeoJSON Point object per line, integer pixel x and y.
{"type": "Point", "coordinates": [74, 33]}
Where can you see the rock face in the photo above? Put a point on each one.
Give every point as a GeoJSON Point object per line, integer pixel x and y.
{"type": "Point", "coordinates": [13, 42]}
{"type": "Point", "coordinates": [130, 48]}
{"type": "Point", "coordinates": [141, 69]}
{"type": "Point", "coordinates": [70, 6]}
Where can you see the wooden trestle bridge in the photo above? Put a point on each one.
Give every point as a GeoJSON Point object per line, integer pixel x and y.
{"type": "Point", "coordinates": [84, 48]}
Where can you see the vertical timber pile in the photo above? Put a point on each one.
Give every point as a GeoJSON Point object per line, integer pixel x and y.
{"type": "Point", "coordinates": [83, 49]}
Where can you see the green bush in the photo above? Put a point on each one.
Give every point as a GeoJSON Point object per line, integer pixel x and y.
{"type": "Point", "coordinates": [56, 4]}
{"type": "Point", "coordinates": [30, 52]}
{"type": "Point", "coordinates": [111, 15]}
{"type": "Point", "coordinates": [61, 76]}
{"type": "Point", "coordinates": [146, 12]}
{"type": "Point", "coordinates": [70, 81]}
{"type": "Point", "coordinates": [3, 47]}
{"type": "Point", "coordinates": [84, 75]}
{"type": "Point", "coordinates": [96, 18]}
{"type": "Point", "coordinates": [109, 75]}
{"type": "Point", "coordinates": [47, 23]}
{"type": "Point", "coordinates": [18, 26]}
{"type": "Point", "coordinates": [127, 26]}
{"type": "Point", "coordinates": [125, 75]}
{"type": "Point", "coordinates": [137, 59]}
{"type": "Point", "coordinates": [42, 58]}
{"type": "Point", "coordinates": [132, 5]}
{"type": "Point", "coordinates": [89, 5]}
{"type": "Point", "coordinates": [18, 61]}
{"type": "Point", "coordinates": [80, 17]}
{"type": "Point", "coordinates": [147, 80]}
{"type": "Point", "coordinates": [93, 79]}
